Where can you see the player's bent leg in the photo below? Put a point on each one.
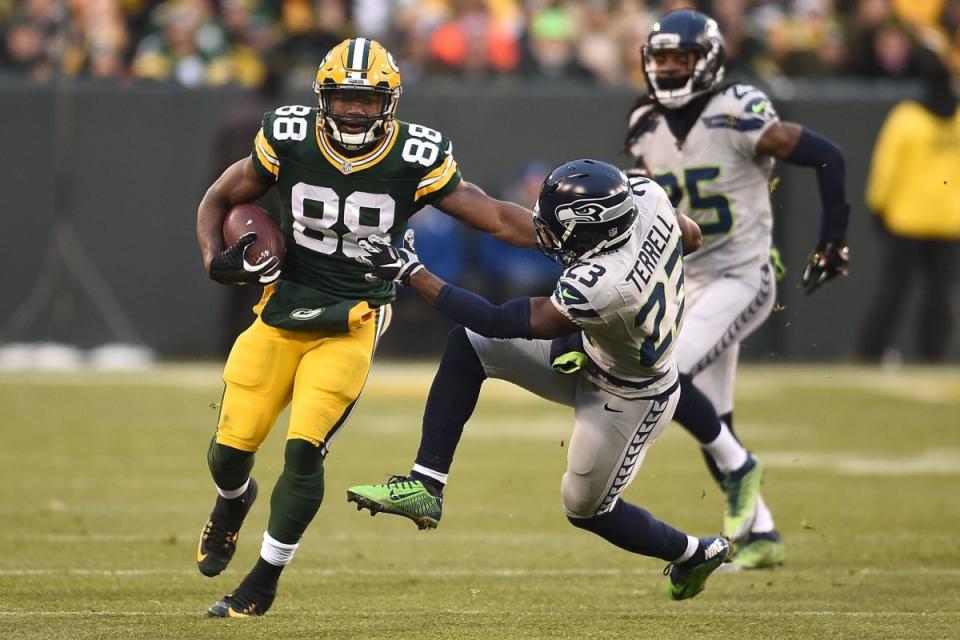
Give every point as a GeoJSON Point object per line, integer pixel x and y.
{"type": "Point", "coordinates": [725, 311]}
{"type": "Point", "coordinates": [218, 540]}
{"type": "Point", "coordinates": [635, 530]}
{"type": "Point", "coordinates": [298, 494]}
{"type": "Point", "coordinates": [329, 380]}
{"type": "Point", "coordinates": [467, 361]}
{"type": "Point", "coordinates": [296, 498]}
{"type": "Point", "coordinates": [452, 399]}
{"type": "Point", "coordinates": [258, 380]}
{"type": "Point", "coordinates": [606, 451]}
{"type": "Point", "coordinates": [450, 403]}
{"type": "Point", "coordinates": [258, 376]}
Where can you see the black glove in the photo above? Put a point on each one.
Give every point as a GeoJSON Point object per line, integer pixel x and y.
{"type": "Point", "coordinates": [389, 263]}
{"type": "Point", "coordinates": [827, 261]}
{"type": "Point", "coordinates": [231, 267]}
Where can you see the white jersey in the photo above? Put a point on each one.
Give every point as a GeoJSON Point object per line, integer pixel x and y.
{"type": "Point", "coordinates": [629, 302]}
{"type": "Point", "coordinates": [715, 176]}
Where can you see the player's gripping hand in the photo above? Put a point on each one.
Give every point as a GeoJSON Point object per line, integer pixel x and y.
{"type": "Point", "coordinates": [827, 261]}
{"type": "Point", "coordinates": [389, 263]}
{"type": "Point", "coordinates": [231, 267]}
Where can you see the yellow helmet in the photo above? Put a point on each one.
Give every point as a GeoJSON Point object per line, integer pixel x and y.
{"type": "Point", "coordinates": [357, 64]}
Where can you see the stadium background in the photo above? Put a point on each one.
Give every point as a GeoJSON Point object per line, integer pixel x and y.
{"type": "Point", "coordinates": [119, 113]}
{"type": "Point", "coordinates": [106, 153]}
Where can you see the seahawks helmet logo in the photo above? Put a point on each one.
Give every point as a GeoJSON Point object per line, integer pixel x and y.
{"type": "Point", "coordinates": [592, 211]}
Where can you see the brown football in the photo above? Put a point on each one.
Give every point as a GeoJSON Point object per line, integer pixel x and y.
{"type": "Point", "coordinates": [244, 218]}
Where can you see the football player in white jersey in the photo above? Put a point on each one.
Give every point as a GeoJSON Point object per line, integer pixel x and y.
{"type": "Point", "coordinates": [621, 244]}
{"type": "Point", "coordinates": [712, 146]}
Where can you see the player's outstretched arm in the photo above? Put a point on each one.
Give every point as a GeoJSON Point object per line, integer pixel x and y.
{"type": "Point", "coordinates": [517, 318]}
{"type": "Point", "coordinates": [239, 183]}
{"type": "Point", "coordinates": [798, 145]}
{"type": "Point", "coordinates": [503, 220]}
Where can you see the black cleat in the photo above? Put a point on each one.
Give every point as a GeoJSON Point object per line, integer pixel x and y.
{"type": "Point", "coordinates": [253, 597]}
{"type": "Point", "coordinates": [244, 603]}
{"type": "Point", "coordinates": [218, 540]}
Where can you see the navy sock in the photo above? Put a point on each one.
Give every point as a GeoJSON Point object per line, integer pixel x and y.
{"type": "Point", "coordinates": [695, 412]}
{"type": "Point", "coordinates": [635, 530]}
{"type": "Point", "coordinates": [452, 399]}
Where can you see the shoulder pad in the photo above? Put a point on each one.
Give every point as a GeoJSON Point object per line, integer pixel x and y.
{"type": "Point", "coordinates": [570, 299]}
{"type": "Point", "coordinates": [430, 154]}
{"type": "Point", "coordinates": [289, 124]}
{"type": "Point", "coordinates": [746, 99]}
{"type": "Point", "coordinates": [638, 113]}
{"type": "Point", "coordinates": [647, 187]}
{"type": "Point", "coordinates": [740, 107]}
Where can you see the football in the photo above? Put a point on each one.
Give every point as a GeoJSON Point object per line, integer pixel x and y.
{"type": "Point", "coordinates": [244, 218]}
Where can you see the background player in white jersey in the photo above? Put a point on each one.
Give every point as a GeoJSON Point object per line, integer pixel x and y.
{"type": "Point", "coordinates": [712, 147]}
{"type": "Point", "coordinates": [621, 245]}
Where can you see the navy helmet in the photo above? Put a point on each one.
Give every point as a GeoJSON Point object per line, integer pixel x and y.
{"type": "Point", "coordinates": [585, 208]}
{"type": "Point", "coordinates": [684, 31]}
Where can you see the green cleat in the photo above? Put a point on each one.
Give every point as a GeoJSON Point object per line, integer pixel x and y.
{"type": "Point", "coordinates": [688, 579]}
{"type": "Point", "coordinates": [742, 491]}
{"type": "Point", "coordinates": [760, 551]}
{"type": "Point", "coordinates": [403, 496]}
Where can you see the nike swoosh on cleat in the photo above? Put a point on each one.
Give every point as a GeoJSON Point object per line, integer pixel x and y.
{"type": "Point", "coordinates": [607, 407]}
{"type": "Point", "coordinates": [201, 556]}
{"type": "Point", "coordinates": [401, 496]}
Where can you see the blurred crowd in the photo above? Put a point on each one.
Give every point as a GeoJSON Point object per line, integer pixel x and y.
{"type": "Point", "coordinates": [240, 42]}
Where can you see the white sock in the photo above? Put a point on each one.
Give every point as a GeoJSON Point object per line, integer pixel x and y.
{"type": "Point", "coordinates": [233, 493]}
{"type": "Point", "coordinates": [692, 544]}
{"type": "Point", "coordinates": [430, 473]}
{"type": "Point", "coordinates": [763, 523]}
{"type": "Point", "coordinates": [276, 553]}
{"type": "Point", "coordinates": [727, 453]}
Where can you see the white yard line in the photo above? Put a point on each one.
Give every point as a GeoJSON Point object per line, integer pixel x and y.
{"type": "Point", "coordinates": [507, 572]}
{"type": "Point", "coordinates": [934, 461]}
{"type": "Point", "coordinates": [474, 612]}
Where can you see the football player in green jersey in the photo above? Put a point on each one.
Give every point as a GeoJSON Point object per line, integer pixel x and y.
{"type": "Point", "coordinates": [345, 169]}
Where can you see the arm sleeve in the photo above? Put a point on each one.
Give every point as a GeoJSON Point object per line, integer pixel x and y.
{"type": "Point", "coordinates": [265, 159]}
{"type": "Point", "coordinates": [509, 320]}
{"type": "Point", "coordinates": [826, 158]}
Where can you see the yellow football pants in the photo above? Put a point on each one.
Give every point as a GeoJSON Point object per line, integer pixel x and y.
{"type": "Point", "coordinates": [320, 374]}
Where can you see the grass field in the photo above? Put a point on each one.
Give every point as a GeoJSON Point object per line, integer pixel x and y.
{"type": "Point", "coordinates": [104, 488]}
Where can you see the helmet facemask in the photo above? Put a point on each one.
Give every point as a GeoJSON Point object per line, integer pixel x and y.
{"type": "Point", "coordinates": [548, 242]}
{"type": "Point", "coordinates": [583, 227]}
{"type": "Point", "coordinates": [357, 87]}
{"type": "Point", "coordinates": [708, 71]}
{"type": "Point", "coordinates": [371, 127]}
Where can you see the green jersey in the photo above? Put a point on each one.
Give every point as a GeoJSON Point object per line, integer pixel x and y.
{"type": "Point", "coordinates": [330, 201]}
